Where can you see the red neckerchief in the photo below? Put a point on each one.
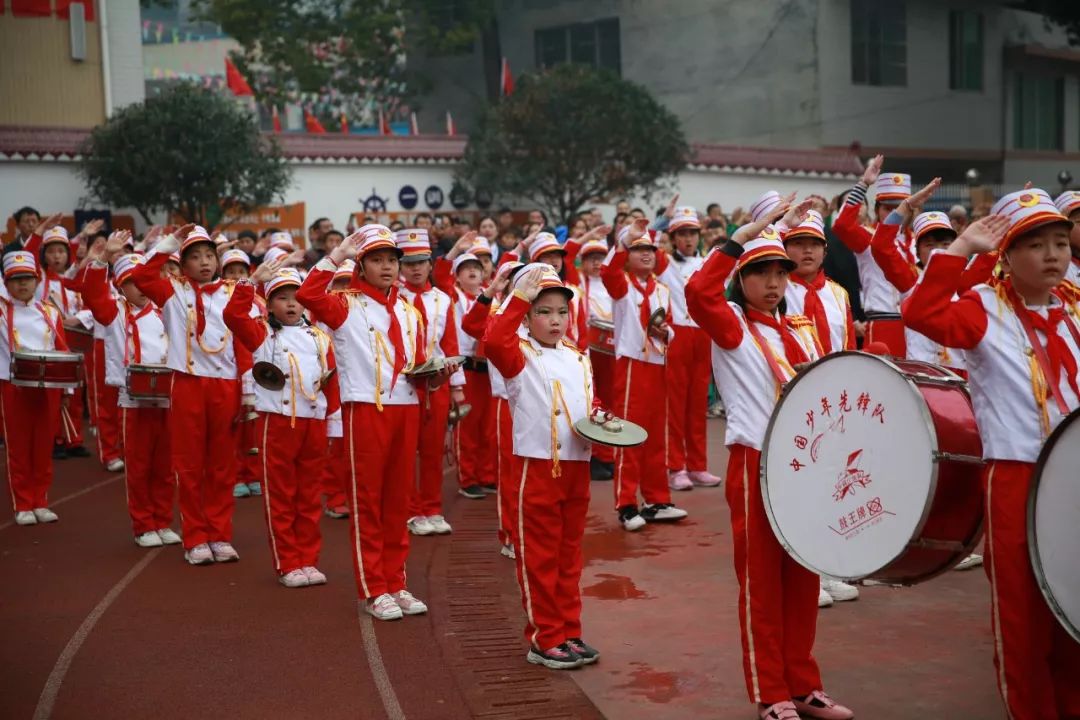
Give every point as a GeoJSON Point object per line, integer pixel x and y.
{"type": "Point", "coordinates": [646, 292]}
{"type": "Point", "coordinates": [1055, 357]}
{"type": "Point", "coordinates": [40, 307]}
{"type": "Point", "coordinates": [388, 300]}
{"type": "Point", "coordinates": [793, 349]}
{"type": "Point", "coordinates": [418, 303]}
{"type": "Point", "coordinates": [133, 316]}
{"type": "Point", "coordinates": [905, 248]}
{"type": "Point", "coordinates": [813, 307]}
{"type": "Point", "coordinates": [200, 315]}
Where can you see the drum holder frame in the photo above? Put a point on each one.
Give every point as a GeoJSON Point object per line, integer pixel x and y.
{"type": "Point", "coordinates": [940, 456]}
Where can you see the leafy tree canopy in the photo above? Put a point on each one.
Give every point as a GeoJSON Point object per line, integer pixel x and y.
{"type": "Point", "coordinates": [187, 151]}
{"type": "Point", "coordinates": [1064, 13]}
{"type": "Point", "coordinates": [573, 135]}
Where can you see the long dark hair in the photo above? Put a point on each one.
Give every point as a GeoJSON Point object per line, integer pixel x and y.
{"type": "Point", "coordinates": [735, 291]}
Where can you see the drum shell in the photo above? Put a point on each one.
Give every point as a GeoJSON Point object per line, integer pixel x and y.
{"type": "Point", "coordinates": [602, 339]}
{"type": "Point", "coordinates": [47, 369]}
{"type": "Point", "coordinates": [149, 382]}
{"type": "Point", "coordinates": [79, 340]}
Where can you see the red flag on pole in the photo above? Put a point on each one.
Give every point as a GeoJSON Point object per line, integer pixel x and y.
{"type": "Point", "coordinates": [312, 124]}
{"type": "Point", "coordinates": [451, 129]}
{"type": "Point", "coordinates": [414, 127]}
{"type": "Point", "coordinates": [344, 123]}
{"type": "Point", "coordinates": [506, 79]}
{"type": "Point", "coordinates": [384, 126]}
{"type": "Point", "coordinates": [275, 118]}
{"type": "Point", "coordinates": [236, 82]}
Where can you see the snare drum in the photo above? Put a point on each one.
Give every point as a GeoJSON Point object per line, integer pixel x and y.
{"type": "Point", "coordinates": [46, 369]}
{"type": "Point", "coordinates": [871, 469]}
{"type": "Point", "coordinates": [1053, 530]}
{"type": "Point", "coordinates": [79, 339]}
{"type": "Point", "coordinates": [602, 337]}
{"type": "Point", "coordinates": [148, 382]}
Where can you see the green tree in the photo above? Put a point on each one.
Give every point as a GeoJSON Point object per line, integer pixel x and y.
{"type": "Point", "coordinates": [1063, 13]}
{"type": "Point", "coordinates": [573, 135]}
{"type": "Point", "coordinates": [349, 55]}
{"type": "Point", "coordinates": [187, 151]}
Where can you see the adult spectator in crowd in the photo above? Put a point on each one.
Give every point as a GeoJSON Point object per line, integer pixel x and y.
{"type": "Point", "coordinates": [423, 221]}
{"type": "Point", "coordinates": [506, 219]}
{"type": "Point", "coordinates": [26, 219]}
{"type": "Point", "coordinates": [245, 240]}
{"type": "Point", "coordinates": [958, 218]}
{"type": "Point", "coordinates": [317, 230]}
{"type": "Point", "coordinates": [840, 264]}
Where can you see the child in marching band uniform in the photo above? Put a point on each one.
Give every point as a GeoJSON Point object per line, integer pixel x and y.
{"type": "Point", "coordinates": [28, 413]}
{"type": "Point", "coordinates": [291, 429]}
{"type": "Point", "coordinates": [205, 396]}
{"type": "Point", "coordinates": [335, 473]}
{"type": "Point", "coordinates": [377, 336]}
{"type": "Point", "coordinates": [1022, 346]}
{"type": "Point", "coordinates": [640, 346]}
{"type": "Point", "coordinates": [135, 335]}
{"type": "Point", "coordinates": [545, 248]}
{"type": "Point", "coordinates": [1068, 204]}
{"type": "Point", "coordinates": [550, 387]}
{"type": "Point", "coordinates": [756, 350]}
{"type": "Point", "coordinates": [436, 312]}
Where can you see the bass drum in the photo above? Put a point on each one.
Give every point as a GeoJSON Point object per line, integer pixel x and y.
{"type": "Point", "coordinates": [1054, 522]}
{"type": "Point", "coordinates": [871, 469]}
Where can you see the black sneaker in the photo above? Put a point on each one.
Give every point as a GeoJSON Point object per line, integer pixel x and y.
{"type": "Point", "coordinates": [662, 512]}
{"type": "Point", "coordinates": [489, 489]}
{"type": "Point", "coordinates": [78, 451]}
{"type": "Point", "coordinates": [599, 470]}
{"type": "Point", "coordinates": [588, 655]}
{"type": "Point", "coordinates": [59, 452]}
{"type": "Point", "coordinates": [630, 518]}
{"type": "Point", "coordinates": [557, 658]}
{"type": "Point", "coordinates": [473, 492]}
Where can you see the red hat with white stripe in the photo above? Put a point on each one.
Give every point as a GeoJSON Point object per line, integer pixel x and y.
{"type": "Point", "coordinates": [124, 266]}
{"type": "Point", "coordinates": [283, 278]}
{"type": "Point", "coordinates": [1068, 202]}
{"type": "Point", "coordinates": [764, 205]}
{"type": "Point", "coordinates": [544, 243]}
{"type": "Point", "coordinates": [345, 270]}
{"type": "Point", "coordinates": [414, 244]}
{"type": "Point", "coordinates": [930, 221]}
{"type": "Point", "coordinates": [811, 226]}
{"type": "Point", "coordinates": [684, 217]}
{"type": "Point", "coordinates": [20, 263]}
{"type": "Point", "coordinates": [282, 240]}
{"type": "Point", "coordinates": [55, 234]}
{"type": "Point", "coordinates": [196, 236]}
{"type": "Point", "coordinates": [765, 247]}
{"type": "Point", "coordinates": [375, 237]}
{"type": "Point", "coordinates": [1026, 210]}
{"type": "Point", "coordinates": [235, 255]}
{"type": "Point", "coordinates": [892, 188]}
{"type": "Point", "coordinates": [549, 279]}
{"type": "Point", "coordinates": [593, 246]}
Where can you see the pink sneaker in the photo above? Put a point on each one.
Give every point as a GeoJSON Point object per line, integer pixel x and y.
{"type": "Point", "coordinates": [679, 481]}
{"type": "Point", "coordinates": [780, 711]}
{"type": "Point", "coordinates": [819, 705]}
{"type": "Point", "coordinates": [704, 478]}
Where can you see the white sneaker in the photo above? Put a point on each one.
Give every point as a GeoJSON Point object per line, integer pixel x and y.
{"type": "Point", "coordinates": [680, 480]}
{"type": "Point", "coordinates": [45, 515]}
{"type": "Point", "coordinates": [839, 591]}
{"type": "Point", "coordinates": [25, 517]}
{"type": "Point", "coordinates": [224, 552]}
{"type": "Point", "coordinates": [507, 551]}
{"type": "Point", "coordinates": [419, 525]}
{"type": "Point", "coordinates": [439, 525]}
{"type": "Point", "coordinates": [148, 540]}
{"type": "Point", "coordinates": [971, 561]}
{"type": "Point", "coordinates": [409, 604]}
{"type": "Point", "coordinates": [631, 519]}
{"type": "Point", "coordinates": [315, 576]}
{"type": "Point", "coordinates": [199, 555]}
{"type": "Point", "coordinates": [384, 608]}
{"type": "Point", "coordinates": [824, 599]}
{"type": "Point", "coordinates": [115, 465]}
{"type": "Point", "coordinates": [662, 512]}
{"type": "Point", "coordinates": [169, 536]}
{"type": "Point", "coordinates": [294, 579]}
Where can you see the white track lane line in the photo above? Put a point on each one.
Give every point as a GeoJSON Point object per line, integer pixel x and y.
{"type": "Point", "coordinates": [378, 670]}
{"type": "Point", "coordinates": [72, 496]}
{"type": "Point", "coordinates": [49, 693]}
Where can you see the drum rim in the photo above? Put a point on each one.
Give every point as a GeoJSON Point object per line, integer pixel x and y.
{"type": "Point", "coordinates": [934, 467]}
{"type": "Point", "coordinates": [1033, 543]}
{"type": "Point", "coordinates": [55, 355]}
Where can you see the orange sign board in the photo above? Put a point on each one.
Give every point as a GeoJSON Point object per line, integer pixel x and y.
{"type": "Point", "coordinates": [287, 218]}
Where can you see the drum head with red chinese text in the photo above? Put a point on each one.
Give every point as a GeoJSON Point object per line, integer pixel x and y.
{"type": "Point", "coordinates": [847, 467]}
{"type": "Point", "coordinates": [1054, 523]}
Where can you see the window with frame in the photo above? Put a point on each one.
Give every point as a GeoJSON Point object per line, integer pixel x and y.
{"type": "Point", "coordinates": [878, 42]}
{"type": "Point", "coordinates": [1038, 112]}
{"type": "Point", "coordinates": [594, 43]}
{"type": "Point", "coordinates": [965, 50]}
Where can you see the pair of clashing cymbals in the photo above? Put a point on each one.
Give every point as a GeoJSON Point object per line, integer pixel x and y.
{"type": "Point", "coordinates": [270, 376]}
{"type": "Point", "coordinates": [604, 428]}
{"type": "Point", "coordinates": [434, 365]}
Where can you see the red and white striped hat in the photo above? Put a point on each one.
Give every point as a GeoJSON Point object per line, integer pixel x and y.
{"type": "Point", "coordinates": [647, 239]}
{"type": "Point", "coordinates": [1068, 202]}
{"type": "Point", "coordinates": [124, 266]}
{"type": "Point", "coordinates": [414, 244]}
{"type": "Point", "coordinates": [543, 243]}
{"type": "Point", "coordinates": [811, 226]}
{"type": "Point", "coordinates": [284, 277]}
{"type": "Point", "coordinates": [684, 217]}
{"type": "Point", "coordinates": [235, 255]}
{"type": "Point", "coordinates": [19, 263]}
{"type": "Point", "coordinates": [55, 234]}
{"type": "Point", "coordinates": [345, 270]}
{"type": "Point", "coordinates": [766, 246]}
{"type": "Point", "coordinates": [481, 246]}
{"type": "Point", "coordinates": [764, 205]}
{"type": "Point", "coordinates": [375, 237]}
{"type": "Point", "coordinates": [892, 187]}
{"type": "Point", "coordinates": [930, 221]}
{"type": "Point", "coordinates": [593, 246]}
{"type": "Point", "coordinates": [273, 254]}
{"type": "Point", "coordinates": [282, 240]}
{"type": "Point", "coordinates": [1026, 210]}
{"type": "Point", "coordinates": [461, 260]}
{"type": "Point", "coordinates": [549, 279]}
{"type": "Point", "coordinates": [196, 236]}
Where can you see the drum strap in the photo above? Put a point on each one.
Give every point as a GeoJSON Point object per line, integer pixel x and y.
{"type": "Point", "coordinates": [1040, 351]}
{"type": "Point", "coordinates": [770, 356]}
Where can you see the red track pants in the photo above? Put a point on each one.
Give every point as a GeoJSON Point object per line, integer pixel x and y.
{"type": "Point", "coordinates": [473, 447]}
{"type": "Point", "coordinates": [204, 454]}
{"type": "Point", "coordinates": [28, 442]}
{"type": "Point", "coordinates": [1038, 664]}
{"type": "Point", "coordinates": [248, 466]}
{"type": "Point", "coordinates": [381, 450]}
{"type": "Point", "coordinates": [434, 411]}
{"type": "Point", "coordinates": [890, 332]}
{"type": "Point", "coordinates": [641, 391]}
{"type": "Point", "coordinates": [103, 401]}
{"type": "Point", "coordinates": [603, 366]}
{"type": "Point", "coordinates": [689, 362]}
{"type": "Point", "coordinates": [151, 485]}
{"type": "Point", "coordinates": [69, 426]}
{"type": "Point", "coordinates": [335, 473]}
{"type": "Point", "coordinates": [550, 517]}
{"type": "Point", "coordinates": [777, 596]}
{"type": "Point", "coordinates": [506, 470]}
{"type": "Point", "coordinates": [291, 457]}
